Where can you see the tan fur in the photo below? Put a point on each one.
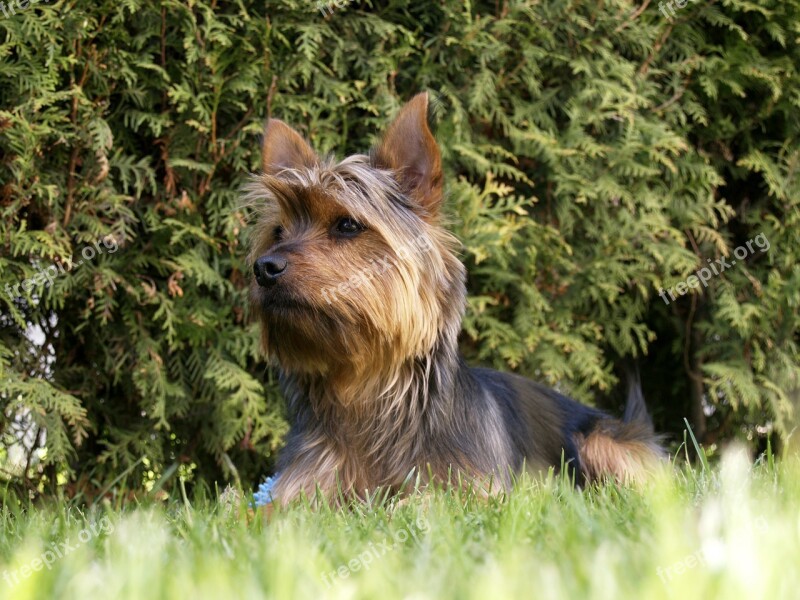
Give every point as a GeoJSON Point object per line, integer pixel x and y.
{"type": "Point", "coordinates": [364, 329]}
{"type": "Point", "coordinates": [379, 338]}
{"type": "Point", "coordinates": [620, 451]}
{"type": "Point", "coordinates": [419, 171]}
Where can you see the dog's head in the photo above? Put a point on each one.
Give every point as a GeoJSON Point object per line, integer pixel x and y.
{"type": "Point", "coordinates": [352, 269]}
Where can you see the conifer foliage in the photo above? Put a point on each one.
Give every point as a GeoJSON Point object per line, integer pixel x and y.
{"type": "Point", "coordinates": [597, 153]}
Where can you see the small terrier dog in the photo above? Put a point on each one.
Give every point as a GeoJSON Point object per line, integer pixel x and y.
{"type": "Point", "coordinates": [360, 296]}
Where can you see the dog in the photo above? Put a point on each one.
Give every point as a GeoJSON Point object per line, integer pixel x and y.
{"type": "Point", "coordinates": [360, 294]}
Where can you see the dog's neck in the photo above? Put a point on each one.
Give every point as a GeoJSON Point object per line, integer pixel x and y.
{"type": "Point", "coordinates": [381, 419]}
{"type": "Point", "coordinates": [367, 394]}
{"type": "Point", "coordinates": [370, 418]}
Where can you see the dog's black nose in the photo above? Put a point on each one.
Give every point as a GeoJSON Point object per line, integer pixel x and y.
{"type": "Point", "coordinates": [268, 268]}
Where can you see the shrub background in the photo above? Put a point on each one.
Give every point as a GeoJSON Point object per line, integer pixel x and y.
{"type": "Point", "coordinates": [596, 153]}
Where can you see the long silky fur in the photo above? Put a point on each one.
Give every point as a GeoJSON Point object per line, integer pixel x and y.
{"type": "Point", "coordinates": [375, 384]}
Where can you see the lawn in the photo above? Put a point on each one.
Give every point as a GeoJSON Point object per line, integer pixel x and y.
{"type": "Point", "coordinates": [728, 531]}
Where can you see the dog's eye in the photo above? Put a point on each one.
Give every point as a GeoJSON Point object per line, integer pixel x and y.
{"type": "Point", "coordinates": [277, 233]}
{"type": "Point", "coordinates": [349, 227]}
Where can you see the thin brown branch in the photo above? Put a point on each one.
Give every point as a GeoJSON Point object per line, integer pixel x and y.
{"type": "Point", "coordinates": [75, 156]}
{"type": "Point", "coordinates": [656, 49]}
{"type": "Point", "coordinates": [675, 97]}
{"type": "Point", "coordinates": [633, 16]}
{"type": "Point", "coordinates": [271, 94]}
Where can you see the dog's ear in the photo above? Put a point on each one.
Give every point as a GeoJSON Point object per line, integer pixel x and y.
{"type": "Point", "coordinates": [284, 148]}
{"type": "Point", "coordinates": [409, 148]}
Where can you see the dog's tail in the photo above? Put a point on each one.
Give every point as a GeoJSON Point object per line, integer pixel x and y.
{"type": "Point", "coordinates": [628, 451]}
{"type": "Point", "coordinates": [635, 408]}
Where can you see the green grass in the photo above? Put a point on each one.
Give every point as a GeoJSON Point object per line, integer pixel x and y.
{"type": "Point", "coordinates": [544, 540]}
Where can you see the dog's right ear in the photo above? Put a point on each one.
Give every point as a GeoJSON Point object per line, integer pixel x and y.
{"type": "Point", "coordinates": [284, 148]}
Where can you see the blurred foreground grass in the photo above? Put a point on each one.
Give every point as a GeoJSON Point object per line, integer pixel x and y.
{"type": "Point", "coordinates": [729, 532]}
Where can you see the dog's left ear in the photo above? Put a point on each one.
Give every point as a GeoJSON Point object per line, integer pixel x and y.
{"type": "Point", "coordinates": [409, 148]}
